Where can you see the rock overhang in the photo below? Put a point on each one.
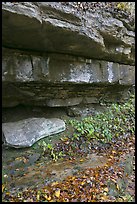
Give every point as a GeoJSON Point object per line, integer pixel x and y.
{"type": "Point", "coordinates": [57, 80]}
{"type": "Point", "coordinates": [53, 56]}
{"type": "Point", "coordinates": [44, 27]}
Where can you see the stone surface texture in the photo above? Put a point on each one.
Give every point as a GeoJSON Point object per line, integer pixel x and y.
{"type": "Point", "coordinates": [25, 133]}
{"type": "Point", "coordinates": [57, 57]}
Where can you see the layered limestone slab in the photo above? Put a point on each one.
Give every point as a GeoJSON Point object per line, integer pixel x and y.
{"type": "Point", "coordinates": [25, 133]}
{"type": "Point", "coordinates": [55, 56]}
{"type": "Point", "coordinates": [23, 67]}
{"type": "Point", "coordinates": [51, 27]}
{"type": "Point", "coordinates": [56, 80]}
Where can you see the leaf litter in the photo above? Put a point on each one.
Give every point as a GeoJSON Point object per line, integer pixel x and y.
{"type": "Point", "coordinates": [93, 172]}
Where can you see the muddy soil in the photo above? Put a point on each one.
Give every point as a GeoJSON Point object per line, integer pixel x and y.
{"type": "Point", "coordinates": [23, 168]}
{"type": "Point", "coordinates": [26, 167]}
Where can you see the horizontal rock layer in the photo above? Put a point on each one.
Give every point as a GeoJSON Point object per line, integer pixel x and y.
{"type": "Point", "coordinates": [61, 80]}
{"type": "Point", "coordinates": [57, 57]}
{"type": "Point", "coordinates": [51, 27]}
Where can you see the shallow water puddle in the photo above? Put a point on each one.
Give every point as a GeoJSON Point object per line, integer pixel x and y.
{"type": "Point", "coordinates": [40, 174]}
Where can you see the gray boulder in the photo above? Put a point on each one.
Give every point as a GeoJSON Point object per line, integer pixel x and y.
{"type": "Point", "coordinates": [25, 133]}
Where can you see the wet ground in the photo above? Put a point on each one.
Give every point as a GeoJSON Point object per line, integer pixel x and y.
{"type": "Point", "coordinates": [27, 168]}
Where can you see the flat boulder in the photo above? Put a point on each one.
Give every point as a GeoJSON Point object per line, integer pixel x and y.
{"type": "Point", "coordinates": [25, 133]}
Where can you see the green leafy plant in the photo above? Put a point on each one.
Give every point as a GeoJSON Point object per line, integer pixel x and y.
{"type": "Point", "coordinates": [115, 122]}
{"type": "Point", "coordinates": [119, 119]}
{"type": "Point", "coordinates": [48, 148]}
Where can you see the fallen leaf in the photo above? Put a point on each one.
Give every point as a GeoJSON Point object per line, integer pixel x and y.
{"type": "Point", "coordinates": [7, 193]}
{"type": "Point", "coordinates": [38, 195]}
{"type": "Point", "coordinates": [119, 200]}
{"type": "Point", "coordinates": [54, 183]}
{"type": "Point", "coordinates": [113, 180]}
{"type": "Point", "coordinates": [64, 139]}
{"type": "Point", "coordinates": [82, 183]}
{"type": "Point", "coordinates": [47, 197]}
{"type": "Point", "coordinates": [18, 158]}
{"type": "Point", "coordinates": [3, 187]}
{"type": "Point", "coordinates": [57, 193]}
{"type": "Point", "coordinates": [104, 197]}
{"type": "Point", "coordinates": [73, 177]}
{"type": "Point", "coordinates": [117, 186]}
{"type": "Point", "coordinates": [106, 189]}
{"type": "Point", "coordinates": [25, 160]}
{"type": "Point", "coordinates": [66, 142]}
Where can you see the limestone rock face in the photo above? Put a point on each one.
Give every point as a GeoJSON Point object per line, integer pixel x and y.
{"type": "Point", "coordinates": [51, 27]}
{"type": "Point", "coordinates": [54, 56]}
{"type": "Point", "coordinates": [57, 80]}
{"type": "Point", "coordinates": [25, 133]}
